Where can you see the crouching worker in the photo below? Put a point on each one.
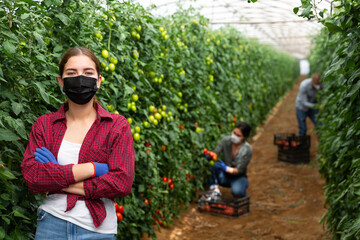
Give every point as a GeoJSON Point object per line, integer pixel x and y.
{"type": "Point", "coordinates": [236, 154]}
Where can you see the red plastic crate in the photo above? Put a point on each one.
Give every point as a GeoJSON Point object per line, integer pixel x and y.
{"type": "Point", "coordinates": [225, 206]}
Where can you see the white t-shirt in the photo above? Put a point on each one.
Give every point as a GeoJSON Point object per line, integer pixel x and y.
{"type": "Point", "coordinates": [56, 204]}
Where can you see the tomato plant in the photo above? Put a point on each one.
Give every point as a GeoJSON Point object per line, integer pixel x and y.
{"type": "Point", "coordinates": [336, 55]}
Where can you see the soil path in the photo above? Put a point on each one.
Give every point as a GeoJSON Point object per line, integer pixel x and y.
{"type": "Point", "coordinates": [286, 200]}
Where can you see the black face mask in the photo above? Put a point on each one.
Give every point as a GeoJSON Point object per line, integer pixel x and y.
{"type": "Point", "coordinates": [80, 89]}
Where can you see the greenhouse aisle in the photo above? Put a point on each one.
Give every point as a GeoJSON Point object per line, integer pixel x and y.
{"type": "Point", "coordinates": [286, 200]}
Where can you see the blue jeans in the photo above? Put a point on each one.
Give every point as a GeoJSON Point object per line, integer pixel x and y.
{"type": "Point", "coordinates": [301, 117]}
{"type": "Point", "coordinates": [54, 228]}
{"type": "Point", "coordinates": [238, 184]}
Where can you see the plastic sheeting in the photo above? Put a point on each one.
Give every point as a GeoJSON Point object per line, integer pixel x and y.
{"type": "Point", "coordinates": [272, 22]}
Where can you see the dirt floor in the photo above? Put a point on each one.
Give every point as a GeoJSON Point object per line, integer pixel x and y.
{"type": "Point", "coordinates": [286, 200]}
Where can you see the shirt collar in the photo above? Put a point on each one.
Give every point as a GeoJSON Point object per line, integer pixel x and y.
{"type": "Point", "coordinates": [101, 112]}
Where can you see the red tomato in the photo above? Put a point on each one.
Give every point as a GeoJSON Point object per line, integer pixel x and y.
{"type": "Point", "coordinates": [171, 186]}
{"type": "Point", "coordinates": [206, 151]}
{"type": "Point", "coordinates": [164, 179]}
{"type": "Point", "coordinates": [146, 202]}
{"type": "Point", "coordinates": [119, 217]}
{"type": "Point", "coordinates": [116, 206]}
{"type": "Point", "coordinates": [120, 209]}
{"type": "Point", "coordinates": [147, 144]}
{"type": "Point", "coordinates": [163, 148]}
{"type": "Point", "coordinates": [215, 157]}
{"type": "Point", "coordinates": [170, 181]}
{"type": "Point", "coordinates": [187, 178]}
{"type": "Point", "coordinates": [151, 187]}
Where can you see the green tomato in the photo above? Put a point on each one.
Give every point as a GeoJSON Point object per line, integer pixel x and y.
{"type": "Point", "coordinates": [197, 130]}
{"type": "Point", "coordinates": [113, 60]}
{"type": "Point", "coordinates": [98, 35]}
{"type": "Point", "coordinates": [151, 118]}
{"type": "Point", "coordinates": [135, 97]}
{"type": "Point", "coordinates": [130, 120]}
{"type": "Point", "coordinates": [158, 116]}
{"type": "Point", "coordinates": [112, 67]}
{"type": "Point", "coordinates": [129, 105]}
{"type": "Point", "coordinates": [185, 110]}
{"type": "Point", "coordinates": [169, 113]}
{"type": "Point", "coordinates": [137, 129]}
{"type": "Point", "coordinates": [133, 108]}
{"type": "Point", "coordinates": [151, 108]}
{"type": "Point", "coordinates": [135, 54]}
{"type": "Point", "coordinates": [155, 122]}
{"type": "Point", "coordinates": [138, 28]}
{"type": "Point", "coordinates": [105, 53]}
{"type": "Point", "coordinates": [137, 137]}
{"type": "Point", "coordinates": [163, 114]}
{"type": "Point", "coordinates": [180, 94]}
{"type": "Point", "coordinates": [163, 107]}
{"type": "Point", "coordinates": [211, 163]}
{"type": "Point", "coordinates": [132, 131]}
{"type": "Point", "coordinates": [146, 124]}
{"type": "Point", "coordinates": [152, 74]}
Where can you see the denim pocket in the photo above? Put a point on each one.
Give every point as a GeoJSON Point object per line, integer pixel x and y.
{"type": "Point", "coordinates": [41, 214]}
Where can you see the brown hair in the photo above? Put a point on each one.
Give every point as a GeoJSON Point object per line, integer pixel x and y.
{"type": "Point", "coordinates": [77, 51]}
{"type": "Point", "coordinates": [244, 127]}
{"type": "Point", "coordinates": [316, 77]}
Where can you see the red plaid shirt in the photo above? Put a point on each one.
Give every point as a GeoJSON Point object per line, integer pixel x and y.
{"type": "Point", "coordinates": [109, 140]}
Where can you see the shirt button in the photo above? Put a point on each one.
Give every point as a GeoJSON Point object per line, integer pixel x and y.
{"type": "Point", "coordinates": [60, 134]}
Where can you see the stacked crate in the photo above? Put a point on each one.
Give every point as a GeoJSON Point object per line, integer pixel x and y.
{"type": "Point", "coordinates": [292, 148]}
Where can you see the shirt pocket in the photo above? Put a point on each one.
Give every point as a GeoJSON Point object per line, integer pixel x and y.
{"type": "Point", "coordinates": [100, 155]}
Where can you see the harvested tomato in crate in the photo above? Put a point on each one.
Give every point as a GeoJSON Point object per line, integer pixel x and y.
{"type": "Point", "coordinates": [292, 148]}
{"type": "Point", "coordinates": [223, 205]}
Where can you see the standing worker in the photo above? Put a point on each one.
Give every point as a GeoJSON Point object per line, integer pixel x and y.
{"type": "Point", "coordinates": [81, 155]}
{"type": "Point", "coordinates": [305, 101]}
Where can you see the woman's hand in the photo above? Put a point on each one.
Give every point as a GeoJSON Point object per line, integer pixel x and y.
{"type": "Point", "coordinates": [221, 165]}
{"type": "Point", "coordinates": [43, 155]}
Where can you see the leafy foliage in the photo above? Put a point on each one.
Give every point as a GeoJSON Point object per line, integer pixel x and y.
{"type": "Point", "coordinates": [336, 55]}
{"type": "Point", "coordinates": [199, 81]}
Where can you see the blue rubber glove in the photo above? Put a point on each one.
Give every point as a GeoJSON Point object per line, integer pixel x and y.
{"type": "Point", "coordinates": [101, 169]}
{"type": "Point", "coordinates": [207, 156]}
{"type": "Point", "coordinates": [220, 165]}
{"type": "Point", "coordinates": [43, 155]}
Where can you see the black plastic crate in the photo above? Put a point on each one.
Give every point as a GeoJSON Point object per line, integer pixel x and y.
{"type": "Point", "coordinates": [292, 148]}
{"type": "Point", "coordinates": [224, 205]}
{"type": "Point", "coordinates": [291, 140]}
{"type": "Point", "coordinates": [294, 155]}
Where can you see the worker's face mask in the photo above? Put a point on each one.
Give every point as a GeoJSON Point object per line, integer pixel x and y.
{"type": "Point", "coordinates": [235, 139]}
{"type": "Point", "coordinates": [317, 87]}
{"type": "Point", "coordinates": [80, 89]}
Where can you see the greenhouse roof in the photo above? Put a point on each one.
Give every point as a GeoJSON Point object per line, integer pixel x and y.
{"type": "Point", "coordinates": [272, 22]}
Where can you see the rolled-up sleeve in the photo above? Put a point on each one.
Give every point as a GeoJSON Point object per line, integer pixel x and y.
{"type": "Point", "coordinates": [43, 177]}
{"type": "Point", "coordinates": [118, 181]}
